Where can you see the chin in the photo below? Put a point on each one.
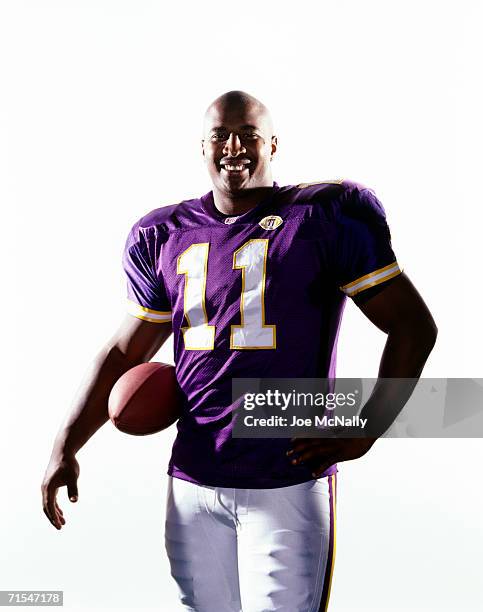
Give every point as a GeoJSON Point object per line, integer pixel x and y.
{"type": "Point", "coordinates": [236, 185]}
{"type": "Point", "coordinates": [235, 190]}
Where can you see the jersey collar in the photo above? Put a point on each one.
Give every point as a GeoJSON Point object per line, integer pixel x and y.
{"type": "Point", "coordinates": [210, 209]}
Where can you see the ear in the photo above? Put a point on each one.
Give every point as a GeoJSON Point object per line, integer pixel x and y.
{"type": "Point", "coordinates": [274, 146]}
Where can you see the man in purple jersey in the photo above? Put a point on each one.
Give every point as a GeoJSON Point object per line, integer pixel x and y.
{"type": "Point", "coordinates": [251, 279]}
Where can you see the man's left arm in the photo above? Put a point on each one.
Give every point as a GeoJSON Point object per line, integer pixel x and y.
{"type": "Point", "coordinates": [399, 311]}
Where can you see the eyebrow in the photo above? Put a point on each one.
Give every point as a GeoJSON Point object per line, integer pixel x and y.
{"type": "Point", "coordinates": [243, 127]}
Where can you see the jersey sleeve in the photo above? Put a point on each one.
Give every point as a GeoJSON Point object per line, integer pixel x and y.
{"type": "Point", "coordinates": [146, 294]}
{"type": "Point", "coordinates": [365, 261]}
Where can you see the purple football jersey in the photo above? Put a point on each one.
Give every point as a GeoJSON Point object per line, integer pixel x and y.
{"type": "Point", "coordinates": [260, 295]}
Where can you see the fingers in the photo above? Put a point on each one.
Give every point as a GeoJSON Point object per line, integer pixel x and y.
{"type": "Point", "coordinates": [49, 503]}
{"type": "Point", "coordinates": [60, 472]}
{"type": "Point", "coordinates": [317, 472]}
{"type": "Point", "coordinates": [298, 445]}
{"type": "Point", "coordinates": [72, 491]}
{"type": "Point", "coordinates": [51, 508]}
{"type": "Point", "coordinates": [59, 513]}
{"type": "Point", "coordinates": [315, 456]}
{"type": "Point", "coordinates": [308, 454]}
{"type": "Point", "coordinates": [303, 446]}
{"type": "Point", "coordinates": [48, 516]}
{"type": "Point", "coordinates": [318, 453]}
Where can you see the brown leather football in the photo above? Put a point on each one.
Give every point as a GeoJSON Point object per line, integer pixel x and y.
{"type": "Point", "coordinates": [145, 399]}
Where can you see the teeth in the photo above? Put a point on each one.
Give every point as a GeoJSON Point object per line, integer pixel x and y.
{"type": "Point", "coordinates": [227, 167]}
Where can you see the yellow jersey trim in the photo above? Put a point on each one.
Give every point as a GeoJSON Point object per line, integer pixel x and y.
{"type": "Point", "coordinates": [329, 182]}
{"type": "Point", "coordinates": [147, 314]}
{"type": "Point", "coordinates": [370, 280]}
{"type": "Point", "coordinates": [334, 544]}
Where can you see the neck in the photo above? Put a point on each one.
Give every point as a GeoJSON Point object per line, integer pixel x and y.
{"type": "Point", "coordinates": [241, 202]}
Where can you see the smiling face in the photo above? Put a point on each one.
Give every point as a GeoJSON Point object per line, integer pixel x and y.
{"type": "Point", "coordinates": [238, 144]}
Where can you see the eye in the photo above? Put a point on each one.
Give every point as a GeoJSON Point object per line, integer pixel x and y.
{"type": "Point", "coordinates": [218, 137]}
{"type": "Point", "coordinates": [250, 135]}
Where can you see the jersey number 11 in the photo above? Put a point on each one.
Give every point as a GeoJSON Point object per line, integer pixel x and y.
{"type": "Point", "coordinates": [252, 333]}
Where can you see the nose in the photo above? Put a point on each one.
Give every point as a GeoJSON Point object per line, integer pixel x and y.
{"type": "Point", "coordinates": [233, 145]}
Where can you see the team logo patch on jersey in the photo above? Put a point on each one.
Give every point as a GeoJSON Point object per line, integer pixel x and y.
{"type": "Point", "coordinates": [230, 220]}
{"type": "Point", "coordinates": [271, 222]}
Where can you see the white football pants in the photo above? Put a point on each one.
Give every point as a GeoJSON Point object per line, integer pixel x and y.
{"type": "Point", "coordinates": [252, 550]}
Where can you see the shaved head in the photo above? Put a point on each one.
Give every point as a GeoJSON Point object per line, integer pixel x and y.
{"type": "Point", "coordinates": [240, 101]}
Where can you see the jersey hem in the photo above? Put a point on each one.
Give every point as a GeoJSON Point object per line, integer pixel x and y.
{"type": "Point", "coordinates": [246, 483]}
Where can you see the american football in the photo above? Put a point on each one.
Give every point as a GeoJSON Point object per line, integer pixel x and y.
{"type": "Point", "coordinates": [145, 399]}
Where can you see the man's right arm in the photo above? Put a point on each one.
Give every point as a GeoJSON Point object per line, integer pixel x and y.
{"type": "Point", "coordinates": [136, 341]}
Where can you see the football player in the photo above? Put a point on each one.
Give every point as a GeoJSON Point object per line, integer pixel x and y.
{"type": "Point", "coordinates": [251, 278]}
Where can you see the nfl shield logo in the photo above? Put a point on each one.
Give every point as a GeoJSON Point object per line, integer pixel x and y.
{"type": "Point", "coordinates": [271, 222]}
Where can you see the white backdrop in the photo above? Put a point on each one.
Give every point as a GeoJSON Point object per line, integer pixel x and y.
{"type": "Point", "coordinates": [100, 107]}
